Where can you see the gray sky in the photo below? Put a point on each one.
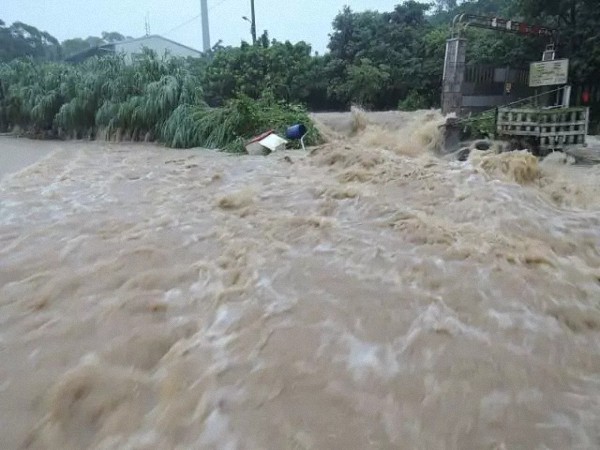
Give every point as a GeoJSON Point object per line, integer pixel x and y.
{"type": "Point", "coordinates": [308, 20]}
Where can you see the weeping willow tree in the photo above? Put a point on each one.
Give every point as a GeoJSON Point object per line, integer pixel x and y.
{"type": "Point", "coordinates": [154, 98]}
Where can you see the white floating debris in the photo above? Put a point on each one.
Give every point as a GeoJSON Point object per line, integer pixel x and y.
{"type": "Point", "coordinates": [265, 143]}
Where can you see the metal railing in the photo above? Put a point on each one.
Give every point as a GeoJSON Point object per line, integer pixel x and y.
{"type": "Point", "coordinates": [528, 101]}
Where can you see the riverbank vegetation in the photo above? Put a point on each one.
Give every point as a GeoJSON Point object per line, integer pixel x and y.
{"type": "Point", "coordinates": [153, 99]}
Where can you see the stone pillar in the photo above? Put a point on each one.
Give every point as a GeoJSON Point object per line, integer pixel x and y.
{"type": "Point", "coordinates": [454, 75]}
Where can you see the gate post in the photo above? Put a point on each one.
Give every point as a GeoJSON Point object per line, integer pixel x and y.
{"type": "Point", "coordinates": [454, 75]}
{"type": "Point", "coordinates": [452, 130]}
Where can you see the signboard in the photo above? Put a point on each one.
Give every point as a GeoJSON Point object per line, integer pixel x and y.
{"type": "Point", "coordinates": [549, 73]}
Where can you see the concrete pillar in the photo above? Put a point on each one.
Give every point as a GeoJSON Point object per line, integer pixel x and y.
{"type": "Point", "coordinates": [454, 75]}
{"type": "Point", "coordinates": [205, 26]}
{"type": "Point", "coordinates": [452, 132]}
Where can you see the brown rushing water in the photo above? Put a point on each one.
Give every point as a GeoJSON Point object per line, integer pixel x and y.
{"type": "Point", "coordinates": [369, 295]}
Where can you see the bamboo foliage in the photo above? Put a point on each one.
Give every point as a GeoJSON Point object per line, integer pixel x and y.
{"type": "Point", "coordinates": [104, 93]}
{"type": "Point", "coordinates": [153, 98]}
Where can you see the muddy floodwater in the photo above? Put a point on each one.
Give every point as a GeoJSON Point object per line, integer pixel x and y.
{"type": "Point", "coordinates": [365, 294]}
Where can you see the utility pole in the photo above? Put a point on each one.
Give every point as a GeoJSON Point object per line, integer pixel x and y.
{"type": "Point", "coordinates": [253, 29]}
{"type": "Point", "coordinates": [147, 24]}
{"type": "Point", "coordinates": [205, 29]}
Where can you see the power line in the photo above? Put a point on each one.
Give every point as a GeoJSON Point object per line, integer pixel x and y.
{"type": "Point", "coordinates": [187, 22]}
{"type": "Point", "coordinates": [217, 5]}
{"type": "Point", "coordinates": [181, 25]}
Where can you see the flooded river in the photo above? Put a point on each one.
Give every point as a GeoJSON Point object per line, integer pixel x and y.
{"type": "Point", "coordinates": [366, 295]}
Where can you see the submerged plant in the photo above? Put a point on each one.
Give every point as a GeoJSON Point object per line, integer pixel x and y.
{"type": "Point", "coordinates": [229, 126]}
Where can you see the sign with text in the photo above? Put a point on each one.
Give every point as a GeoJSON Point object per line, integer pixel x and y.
{"type": "Point", "coordinates": [549, 73]}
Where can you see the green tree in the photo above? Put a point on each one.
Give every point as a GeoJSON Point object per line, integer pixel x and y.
{"type": "Point", "coordinates": [445, 5]}
{"type": "Point", "coordinates": [282, 68]}
{"type": "Point", "coordinates": [494, 48]}
{"type": "Point", "coordinates": [396, 40]}
{"type": "Point", "coordinates": [364, 83]}
{"type": "Point", "coordinates": [578, 25]}
{"type": "Point", "coordinates": [113, 36]}
{"type": "Point", "coordinates": [73, 46]}
{"type": "Point", "coordinates": [20, 39]}
{"type": "Point", "coordinates": [94, 41]}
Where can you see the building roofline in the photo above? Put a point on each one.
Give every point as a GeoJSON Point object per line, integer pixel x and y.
{"type": "Point", "coordinates": [158, 37]}
{"type": "Point", "coordinates": [90, 51]}
{"type": "Point", "coordinates": [111, 47]}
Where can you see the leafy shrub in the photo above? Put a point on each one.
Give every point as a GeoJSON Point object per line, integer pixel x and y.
{"type": "Point", "coordinates": [228, 127]}
{"type": "Point", "coordinates": [482, 126]}
{"type": "Point", "coordinates": [413, 102]}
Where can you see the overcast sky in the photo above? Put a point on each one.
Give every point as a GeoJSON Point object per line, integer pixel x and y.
{"type": "Point", "coordinates": [308, 20]}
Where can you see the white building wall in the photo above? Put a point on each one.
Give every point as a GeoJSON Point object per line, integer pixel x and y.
{"type": "Point", "coordinates": [157, 44]}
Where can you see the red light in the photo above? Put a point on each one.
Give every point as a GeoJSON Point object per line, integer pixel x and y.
{"type": "Point", "coordinates": [585, 97]}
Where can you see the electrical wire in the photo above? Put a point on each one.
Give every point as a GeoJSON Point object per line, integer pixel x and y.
{"type": "Point", "coordinates": [187, 22]}
{"type": "Point", "coordinates": [217, 5]}
{"type": "Point", "coordinates": [181, 25]}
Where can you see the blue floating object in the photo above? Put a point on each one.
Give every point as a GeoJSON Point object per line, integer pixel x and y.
{"type": "Point", "coordinates": [295, 131]}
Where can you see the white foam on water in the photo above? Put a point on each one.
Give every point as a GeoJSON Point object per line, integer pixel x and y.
{"type": "Point", "coordinates": [216, 432]}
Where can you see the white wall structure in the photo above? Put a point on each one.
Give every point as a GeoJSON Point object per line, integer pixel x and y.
{"type": "Point", "coordinates": [156, 43]}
